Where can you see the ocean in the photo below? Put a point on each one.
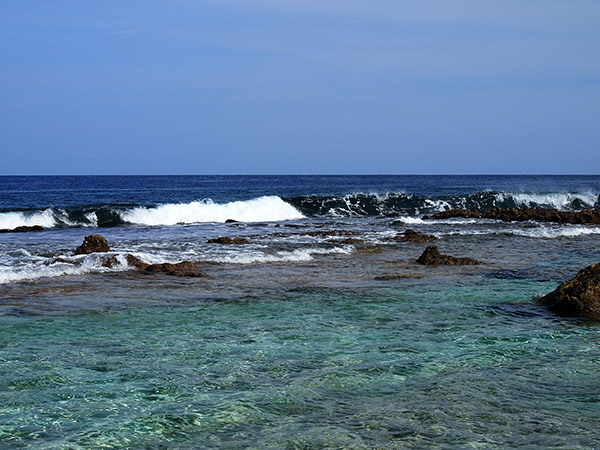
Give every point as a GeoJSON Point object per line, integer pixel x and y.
{"type": "Point", "coordinates": [319, 333]}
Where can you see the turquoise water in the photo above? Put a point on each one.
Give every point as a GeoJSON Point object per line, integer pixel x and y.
{"type": "Point", "coordinates": [468, 363]}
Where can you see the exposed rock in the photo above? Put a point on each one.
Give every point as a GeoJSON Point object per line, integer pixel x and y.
{"type": "Point", "coordinates": [226, 240]}
{"type": "Point", "coordinates": [231, 221]}
{"type": "Point", "coordinates": [584, 217]}
{"type": "Point", "coordinates": [182, 269]}
{"type": "Point", "coordinates": [23, 229]}
{"type": "Point", "coordinates": [412, 236]}
{"type": "Point", "coordinates": [136, 262]}
{"type": "Point", "coordinates": [399, 277]}
{"type": "Point", "coordinates": [432, 257]}
{"type": "Point", "coordinates": [110, 262]}
{"type": "Point", "coordinates": [577, 297]}
{"type": "Point", "coordinates": [92, 244]}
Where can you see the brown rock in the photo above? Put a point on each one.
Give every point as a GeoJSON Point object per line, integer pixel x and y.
{"type": "Point", "coordinates": [226, 240]}
{"type": "Point", "coordinates": [182, 269]}
{"type": "Point", "coordinates": [23, 229]}
{"type": "Point", "coordinates": [350, 241]}
{"type": "Point", "coordinates": [577, 297]}
{"type": "Point", "coordinates": [584, 217]}
{"type": "Point", "coordinates": [412, 236]}
{"type": "Point", "coordinates": [110, 262]}
{"type": "Point", "coordinates": [432, 257]}
{"type": "Point", "coordinates": [136, 262]}
{"type": "Point", "coordinates": [92, 244]}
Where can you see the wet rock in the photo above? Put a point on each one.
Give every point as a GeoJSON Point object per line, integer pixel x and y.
{"type": "Point", "coordinates": [23, 229]}
{"type": "Point", "coordinates": [412, 236]}
{"type": "Point", "coordinates": [584, 217]}
{"type": "Point", "coordinates": [59, 260]}
{"type": "Point", "coordinates": [136, 262]}
{"type": "Point", "coordinates": [577, 297]}
{"type": "Point", "coordinates": [226, 240]}
{"type": "Point", "coordinates": [92, 244]}
{"type": "Point", "coordinates": [110, 262]}
{"type": "Point", "coordinates": [182, 269]}
{"type": "Point", "coordinates": [399, 276]}
{"type": "Point", "coordinates": [232, 221]}
{"type": "Point", "coordinates": [432, 257]}
{"type": "Point", "coordinates": [350, 241]}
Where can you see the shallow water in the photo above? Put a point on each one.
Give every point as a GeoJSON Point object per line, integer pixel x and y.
{"type": "Point", "coordinates": [295, 341]}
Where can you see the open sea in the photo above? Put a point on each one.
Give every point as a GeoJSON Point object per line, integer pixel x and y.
{"type": "Point", "coordinates": [300, 339]}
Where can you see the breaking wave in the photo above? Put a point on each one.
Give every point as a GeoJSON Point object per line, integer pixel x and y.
{"type": "Point", "coordinates": [273, 209]}
{"type": "Point", "coordinates": [262, 209]}
{"type": "Point", "coordinates": [398, 203]}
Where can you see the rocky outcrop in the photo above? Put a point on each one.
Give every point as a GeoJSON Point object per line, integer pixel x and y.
{"type": "Point", "coordinates": [412, 236]}
{"type": "Point", "coordinates": [349, 241]}
{"type": "Point", "coordinates": [92, 244]}
{"type": "Point", "coordinates": [432, 257]}
{"type": "Point", "coordinates": [585, 217]}
{"type": "Point", "coordinates": [226, 240]}
{"type": "Point", "coordinates": [136, 262]}
{"type": "Point", "coordinates": [182, 269]}
{"type": "Point", "coordinates": [23, 229]}
{"type": "Point", "coordinates": [577, 297]}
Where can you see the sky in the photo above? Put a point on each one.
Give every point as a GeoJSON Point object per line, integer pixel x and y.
{"type": "Point", "coordinates": [299, 87]}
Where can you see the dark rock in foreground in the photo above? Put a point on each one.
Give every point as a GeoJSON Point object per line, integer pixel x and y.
{"type": "Point", "coordinates": [226, 240]}
{"type": "Point", "coordinates": [577, 297]}
{"type": "Point", "coordinates": [23, 229]}
{"type": "Point", "coordinates": [182, 269]}
{"type": "Point", "coordinates": [412, 236]}
{"type": "Point", "coordinates": [349, 241]}
{"type": "Point", "coordinates": [92, 244]}
{"type": "Point", "coordinates": [585, 217]}
{"type": "Point", "coordinates": [432, 257]}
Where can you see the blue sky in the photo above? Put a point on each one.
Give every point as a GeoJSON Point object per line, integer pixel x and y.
{"type": "Point", "coordinates": [299, 86]}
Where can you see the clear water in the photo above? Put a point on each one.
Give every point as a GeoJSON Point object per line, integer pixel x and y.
{"type": "Point", "coordinates": [312, 353]}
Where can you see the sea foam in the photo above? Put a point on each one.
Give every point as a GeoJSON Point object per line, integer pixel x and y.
{"type": "Point", "coordinates": [10, 220]}
{"type": "Point", "coordinates": [262, 209]}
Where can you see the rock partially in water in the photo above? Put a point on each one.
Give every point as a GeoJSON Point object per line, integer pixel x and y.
{"type": "Point", "coordinates": [94, 243]}
{"type": "Point", "coordinates": [23, 229]}
{"type": "Point", "coordinates": [412, 236]}
{"type": "Point", "coordinates": [399, 276]}
{"type": "Point", "coordinates": [226, 240]}
{"type": "Point", "coordinates": [181, 269]}
{"type": "Point", "coordinates": [577, 297]}
{"type": "Point", "coordinates": [349, 241]}
{"type": "Point", "coordinates": [327, 233]}
{"type": "Point", "coordinates": [432, 257]}
{"type": "Point", "coordinates": [584, 217]}
{"type": "Point", "coordinates": [136, 262]}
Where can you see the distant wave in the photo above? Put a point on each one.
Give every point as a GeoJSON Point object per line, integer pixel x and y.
{"type": "Point", "coordinates": [273, 209]}
{"type": "Point", "coordinates": [367, 204]}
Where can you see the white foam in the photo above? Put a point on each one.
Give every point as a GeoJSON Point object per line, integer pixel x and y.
{"type": "Point", "coordinates": [262, 209]}
{"type": "Point", "coordinates": [82, 265]}
{"type": "Point", "coordinates": [297, 255]}
{"type": "Point", "coordinates": [552, 233]}
{"type": "Point", "coordinates": [556, 200]}
{"type": "Point", "coordinates": [418, 221]}
{"type": "Point", "coordinates": [10, 220]}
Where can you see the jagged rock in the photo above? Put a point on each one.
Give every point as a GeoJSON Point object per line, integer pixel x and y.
{"type": "Point", "coordinates": [59, 260]}
{"type": "Point", "coordinates": [432, 257]}
{"type": "Point", "coordinates": [92, 244]}
{"type": "Point", "coordinates": [23, 229]}
{"type": "Point", "coordinates": [577, 297]}
{"type": "Point", "coordinates": [584, 217]}
{"type": "Point", "coordinates": [226, 240]}
{"type": "Point", "coordinates": [231, 221]}
{"type": "Point", "coordinates": [412, 236]}
{"type": "Point", "coordinates": [182, 269]}
{"type": "Point", "coordinates": [136, 262]}
{"type": "Point", "coordinates": [110, 262]}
